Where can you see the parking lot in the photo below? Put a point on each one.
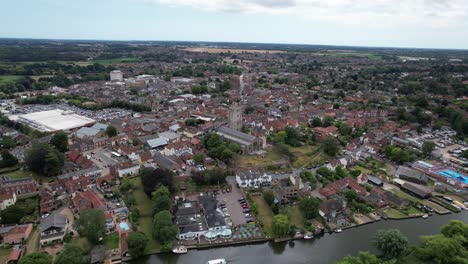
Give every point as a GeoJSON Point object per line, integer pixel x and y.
{"type": "Point", "coordinates": [233, 207]}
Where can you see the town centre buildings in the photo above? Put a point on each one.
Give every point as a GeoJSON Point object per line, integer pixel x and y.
{"type": "Point", "coordinates": [54, 120]}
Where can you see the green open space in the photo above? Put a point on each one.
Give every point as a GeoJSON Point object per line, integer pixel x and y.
{"type": "Point", "coordinates": [247, 161]}
{"type": "Point", "coordinates": [308, 155]}
{"type": "Point", "coordinates": [9, 78]}
{"type": "Point", "coordinates": [111, 240]}
{"type": "Point", "coordinates": [82, 243]}
{"type": "Point", "coordinates": [265, 215]}
{"type": "Point", "coordinates": [394, 213]}
{"type": "Point", "coordinates": [295, 216]}
{"type": "Point", "coordinates": [145, 221]}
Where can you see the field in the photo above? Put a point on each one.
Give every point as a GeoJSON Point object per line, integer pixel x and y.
{"type": "Point", "coordinates": [9, 78]}
{"type": "Point", "coordinates": [295, 216]}
{"type": "Point", "coordinates": [394, 214]}
{"type": "Point", "coordinates": [247, 161]}
{"type": "Point", "coordinates": [220, 50]}
{"type": "Point", "coordinates": [145, 222]}
{"type": "Point", "coordinates": [106, 62]}
{"type": "Point", "coordinates": [265, 215]}
{"type": "Point", "coordinates": [308, 156]}
{"type": "Point", "coordinates": [111, 241]}
{"type": "Point", "coordinates": [370, 56]}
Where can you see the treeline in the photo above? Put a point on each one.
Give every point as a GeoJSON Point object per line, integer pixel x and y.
{"type": "Point", "coordinates": [40, 53]}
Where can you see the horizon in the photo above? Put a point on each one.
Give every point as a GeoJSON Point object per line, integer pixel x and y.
{"type": "Point", "coordinates": [424, 24]}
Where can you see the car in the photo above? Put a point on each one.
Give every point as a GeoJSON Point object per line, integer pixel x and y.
{"type": "Point", "coordinates": [246, 211]}
{"type": "Point", "coordinates": [224, 209]}
{"type": "Point", "coordinates": [245, 206]}
{"type": "Point", "coordinates": [247, 215]}
{"type": "Point", "coordinates": [227, 215]}
{"type": "Point", "coordinates": [241, 200]}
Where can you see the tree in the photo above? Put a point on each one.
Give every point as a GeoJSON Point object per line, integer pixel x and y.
{"type": "Point", "coordinates": [439, 249]}
{"type": "Point", "coordinates": [427, 148]}
{"type": "Point", "coordinates": [316, 122]}
{"type": "Point", "coordinates": [111, 131]}
{"type": "Point", "coordinates": [391, 242]}
{"type": "Point", "coordinates": [280, 225]}
{"type": "Point", "coordinates": [330, 146]}
{"type": "Point", "coordinates": [455, 228]}
{"type": "Point", "coordinates": [161, 200]}
{"type": "Point", "coordinates": [60, 141]}
{"type": "Point", "coordinates": [7, 159]}
{"type": "Point", "coordinates": [164, 230]}
{"type": "Point", "coordinates": [70, 254]}
{"type": "Point", "coordinates": [269, 197]}
{"type": "Point", "coordinates": [361, 258]}
{"type": "Point", "coordinates": [91, 224]}
{"type": "Point", "coordinates": [198, 158]}
{"type": "Point", "coordinates": [12, 214]}
{"type": "Point", "coordinates": [153, 178]}
{"type": "Point", "coordinates": [309, 207]}
{"type": "Point", "coordinates": [137, 242]}
{"type": "Point", "coordinates": [36, 258]}
{"type": "Point", "coordinates": [7, 142]}
{"type": "Point", "coordinates": [465, 154]}
{"type": "Point", "coordinates": [44, 159]}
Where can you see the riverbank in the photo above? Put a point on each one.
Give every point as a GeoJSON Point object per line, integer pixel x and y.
{"type": "Point", "coordinates": [324, 249]}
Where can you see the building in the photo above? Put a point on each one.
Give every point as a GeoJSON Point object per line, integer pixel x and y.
{"type": "Point", "coordinates": [6, 200]}
{"type": "Point", "coordinates": [53, 228]}
{"type": "Point", "coordinates": [20, 187]}
{"type": "Point", "coordinates": [190, 221]}
{"type": "Point", "coordinates": [54, 120]}
{"type": "Point", "coordinates": [248, 143]}
{"type": "Point", "coordinates": [252, 179]}
{"type": "Point", "coordinates": [128, 169]}
{"type": "Point", "coordinates": [417, 190]}
{"type": "Point", "coordinates": [15, 234]}
{"type": "Point", "coordinates": [235, 117]}
{"type": "Point", "coordinates": [411, 175]}
{"type": "Point", "coordinates": [322, 133]}
{"type": "Point", "coordinates": [333, 211]}
{"type": "Point", "coordinates": [116, 76]}
{"type": "Point", "coordinates": [346, 183]}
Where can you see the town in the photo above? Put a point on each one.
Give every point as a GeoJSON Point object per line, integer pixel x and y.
{"type": "Point", "coordinates": [111, 151]}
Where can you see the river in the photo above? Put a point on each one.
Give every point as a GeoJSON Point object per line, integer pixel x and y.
{"type": "Point", "coordinates": [326, 249]}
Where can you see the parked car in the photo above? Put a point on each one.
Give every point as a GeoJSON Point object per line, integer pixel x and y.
{"type": "Point", "coordinates": [247, 215]}
{"type": "Point", "coordinates": [246, 211]}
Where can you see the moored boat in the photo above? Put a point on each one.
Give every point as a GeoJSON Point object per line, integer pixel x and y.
{"type": "Point", "coordinates": [338, 231]}
{"type": "Point", "coordinates": [217, 261]}
{"type": "Point", "coordinates": [308, 236]}
{"type": "Point", "coordinates": [180, 250]}
{"type": "Point", "coordinates": [425, 216]}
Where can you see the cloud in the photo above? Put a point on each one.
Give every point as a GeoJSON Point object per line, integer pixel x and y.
{"type": "Point", "coordinates": [427, 13]}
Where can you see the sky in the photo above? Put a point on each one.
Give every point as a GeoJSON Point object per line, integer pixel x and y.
{"type": "Point", "coordinates": [381, 23]}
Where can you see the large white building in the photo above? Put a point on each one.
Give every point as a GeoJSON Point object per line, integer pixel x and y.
{"type": "Point", "coordinates": [54, 120]}
{"type": "Point", "coordinates": [116, 76]}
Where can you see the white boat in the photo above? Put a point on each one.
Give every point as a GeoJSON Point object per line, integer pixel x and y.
{"type": "Point", "coordinates": [338, 231]}
{"type": "Point", "coordinates": [308, 236]}
{"type": "Point", "coordinates": [180, 250]}
{"type": "Point", "coordinates": [425, 216]}
{"type": "Point", "coordinates": [217, 261]}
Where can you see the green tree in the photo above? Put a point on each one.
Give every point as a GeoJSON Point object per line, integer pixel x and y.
{"type": "Point", "coordinates": [309, 207]}
{"type": "Point", "coordinates": [12, 214]}
{"type": "Point", "coordinates": [280, 225]}
{"type": "Point", "coordinates": [70, 254]}
{"type": "Point", "coordinates": [316, 122]}
{"type": "Point", "coordinates": [7, 159]}
{"type": "Point", "coordinates": [36, 258]}
{"type": "Point", "coordinates": [427, 148]}
{"type": "Point", "coordinates": [7, 142]}
{"type": "Point", "coordinates": [91, 225]}
{"type": "Point", "coordinates": [164, 230]}
{"type": "Point", "coordinates": [330, 146]}
{"type": "Point", "coordinates": [391, 242]}
{"type": "Point", "coordinates": [137, 242]}
{"type": "Point", "coordinates": [111, 131]}
{"type": "Point", "coordinates": [198, 158]}
{"type": "Point", "coordinates": [161, 200]}
{"type": "Point", "coordinates": [456, 229]}
{"type": "Point", "coordinates": [465, 154]}
{"type": "Point", "coordinates": [361, 258]}
{"type": "Point", "coordinates": [60, 141]}
{"type": "Point", "coordinates": [269, 197]}
{"type": "Point", "coordinates": [442, 250]}
{"type": "Point", "coordinates": [44, 159]}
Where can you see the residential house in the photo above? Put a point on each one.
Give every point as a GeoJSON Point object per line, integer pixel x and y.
{"type": "Point", "coordinates": [346, 183]}
{"type": "Point", "coordinates": [53, 228]}
{"type": "Point", "coordinates": [333, 211]}
{"type": "Point", "coordinates": [20, 187]}
{"type": "Point", "coordinates": [15, 234]}
{"type": "Point", "coordinates": [6, 200]}
{"type": "Point", "coordinates": [48, 202]}
{"type": "Point", "coordinates": [322, 133]}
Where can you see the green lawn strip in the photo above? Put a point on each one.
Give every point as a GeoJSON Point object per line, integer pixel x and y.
{"type": "Point", "coordinates": [111, 240]}
{"type": "Point", "coordinates": [145, 222]}
{"type": "Point", "coordinates": [9, 78]}
{"type": "Point", "coordinates": [265, 215]}
{"type": "Point", "coordinates": [406, 196]}
{"type": "Point", "coordinates": [295, 216]}
{"type": "Point", "coordinates": [394, 213]}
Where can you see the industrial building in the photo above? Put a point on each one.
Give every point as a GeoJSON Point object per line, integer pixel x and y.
{"type": "Point", "coordinates": [54, 120]}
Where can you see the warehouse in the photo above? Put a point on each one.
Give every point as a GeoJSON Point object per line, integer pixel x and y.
{"type": "Point", "coordinates": [55, 120]}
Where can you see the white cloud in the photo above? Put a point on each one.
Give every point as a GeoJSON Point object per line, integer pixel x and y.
{"type": "Point", "coordinates": [377, 13]}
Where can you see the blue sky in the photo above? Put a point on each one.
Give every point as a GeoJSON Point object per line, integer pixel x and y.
{"type": "Point", "coordinates": [391, 23]}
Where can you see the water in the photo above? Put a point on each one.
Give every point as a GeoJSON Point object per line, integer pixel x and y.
{"type": "Point", "coordinates": [326, 249]}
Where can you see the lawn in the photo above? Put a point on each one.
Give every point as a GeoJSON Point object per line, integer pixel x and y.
{"type": "Point", "coordinates": [248, 161]}
{"type": "Point", "coordinates": [394, 214]}
{"type": "Point", "coordinates": [9, 78]}
{"type": "Point", "coordinates": [18, 174]}
{"type": "Point", "coordinates": [362, 169]}
{"type": "Point", "coordinates": [145, 222]}
{"type": "Point", "coordinates": [82, 243]}
{"type": "Point", "coordinates": [308, 156]}
{"type": "Point", "coordinates": [32, 244]}
{"type": "Point", "coordinates": [406, 196]}
{"type": "Point", "coordinates": [295, 216]}
{"type": "Point", "coordinates": [265, 215]}
{"type": "Point", "coordinates": [111, 241]}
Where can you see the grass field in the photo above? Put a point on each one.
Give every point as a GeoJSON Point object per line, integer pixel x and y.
{"type": "Point", "coordinates": [295, 216]}
{"type": "Point", "coordinates": [394, 214]}
{"type": "Point", "coordinates": [145, 222]}
{"type": "Point", "coordinates": [82, 243]}
{"type": "Point", "coordinates": [111, 241]}
{"type": "Point", "coordinates": [116, 60]}
{"type": "Point", "coordinates": [308, 156]}
{"type": "Point", "coordinates": [4, 253]}
{"type": "Point", "coordinates": [247, 161]}
{"type": "Point", "coordinates": [32, 245]}
{"type": "Point", "coordinates": [265, 215]}
{"type": "Point", "coordinates": [9, 78]}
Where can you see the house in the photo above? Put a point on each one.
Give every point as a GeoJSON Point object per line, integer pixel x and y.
{"type": "Point", "coordinates": [18, 234]}
{"type": "Point", "coordinates": [346, 183]}
{"type": "Point", "coordinates": [48, 202]}
{"type": "Point", "coordinates": [127, 169]}
{"type": "Point", "coordinates": [6, 200]}
{"type": "Point", "coordinates": [322, 133]}
{"type": "Point", "coordinates": [375, 181]}
{"type": "Point", "coordinates": [165, 162]}
{"type": "Point", "coordinates": [156, 143]}
{"type": "Point", "coordinates": [333, 211]}
{"type": "Point", "coordinates": [15, 255]}
{"type": "Point", "coordinates": [190, 221]}
{"type": "Point", "coordinates": [87, 200]}
{"type": "Point", "coordinates": [412, 175]}
{"type": "Point", "coordinates": [20, 187]}
{"type": "Point", "coordinates": [252, 179]}
{"type": "Point", "coordinates": [53, 228]}
{"type": "Point", "coordinates": [178, 149]}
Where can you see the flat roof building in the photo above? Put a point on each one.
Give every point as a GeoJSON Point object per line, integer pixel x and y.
{"type": "Point", "coordinates": [55, 120]}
